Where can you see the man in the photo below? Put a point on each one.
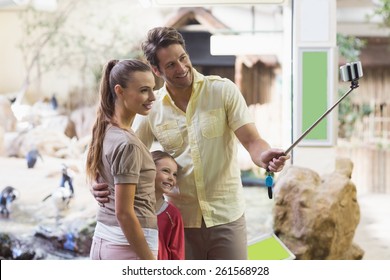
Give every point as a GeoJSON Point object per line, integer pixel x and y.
{"type": "Point", "coordinates": [197, 119]}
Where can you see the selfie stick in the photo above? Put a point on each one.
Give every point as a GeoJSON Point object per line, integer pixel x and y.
{"type": "Point", "coordinates": [349, 72]}
{"type": "Point", "coordinates": [354, 84]}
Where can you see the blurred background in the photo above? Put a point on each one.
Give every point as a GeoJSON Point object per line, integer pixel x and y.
{"type": "Point", "coordinates": [52, 53]}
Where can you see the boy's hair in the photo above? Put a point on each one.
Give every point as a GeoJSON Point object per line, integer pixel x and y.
{"type": "Point", "coordinates": [158, 155]}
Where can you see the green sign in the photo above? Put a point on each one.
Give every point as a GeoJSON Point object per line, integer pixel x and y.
{"type": "Point", "coordinates": [314, 93]}
{"type": "Point", "coordinates": [268, 247]}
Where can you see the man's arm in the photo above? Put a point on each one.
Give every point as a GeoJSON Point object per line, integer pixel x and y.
{"type": "Point", "coordinates": [260, 151]}
{"type": "Point", "coordinates": [100, 192]}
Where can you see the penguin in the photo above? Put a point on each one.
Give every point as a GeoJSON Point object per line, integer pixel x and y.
{"type": "Point", "coordinates": [32, 157]}
{"type": "Point", "coordinates": [64, 193]}
{"type": "Point", "coordinates": [8, 195]}
{"type": "Point", "coordinates": [54, 102]}
{"type": "Point", "coordinates": [66, 178]}
{"type": "Point", "coordinates": [61, 198]}
{"type": "Point", "coordinates": [12, 100]}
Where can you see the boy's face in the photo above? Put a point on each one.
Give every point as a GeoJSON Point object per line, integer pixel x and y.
{"type": "Point", "coordinates": [166, 174]}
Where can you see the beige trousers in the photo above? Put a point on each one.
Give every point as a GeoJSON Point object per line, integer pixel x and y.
{"type": "Point", "coordinates": [223, 242]}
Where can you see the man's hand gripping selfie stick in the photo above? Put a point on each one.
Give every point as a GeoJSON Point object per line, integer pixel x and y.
{"type": "Point", "coordinates": [350, 72]}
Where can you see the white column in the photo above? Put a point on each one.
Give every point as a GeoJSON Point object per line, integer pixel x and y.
{"type": "Point", "coordinates": [314, 77]}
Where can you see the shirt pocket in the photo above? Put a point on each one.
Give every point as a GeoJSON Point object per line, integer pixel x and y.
{"type": "Point", "coordinates": [169, 136]}
{"type": "Point", "coordinates": [212, 123]}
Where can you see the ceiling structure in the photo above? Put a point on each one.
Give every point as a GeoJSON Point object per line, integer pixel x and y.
{"type": "Point", "coordinates": [356, 18]}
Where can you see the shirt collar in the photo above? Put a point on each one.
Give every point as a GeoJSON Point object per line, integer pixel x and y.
{"type": "Point", "coordinates": [197, 81]}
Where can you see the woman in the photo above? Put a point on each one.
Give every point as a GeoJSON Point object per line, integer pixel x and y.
{"type": "Point", "coordinates": [127, 225]}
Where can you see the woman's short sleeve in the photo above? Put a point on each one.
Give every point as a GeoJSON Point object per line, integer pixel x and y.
{"type": "Point", "coordinates": [126, 164]}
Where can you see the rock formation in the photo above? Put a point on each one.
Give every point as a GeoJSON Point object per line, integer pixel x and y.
{"type": "Point", "coordinates": [317, 217]}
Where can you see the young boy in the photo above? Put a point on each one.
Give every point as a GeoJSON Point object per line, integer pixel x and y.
{"type": "Point", "coordinates": [169, 220]}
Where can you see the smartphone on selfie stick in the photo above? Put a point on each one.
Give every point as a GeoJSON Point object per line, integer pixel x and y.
{"type": "Point", "coordinates": [350, 72]}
